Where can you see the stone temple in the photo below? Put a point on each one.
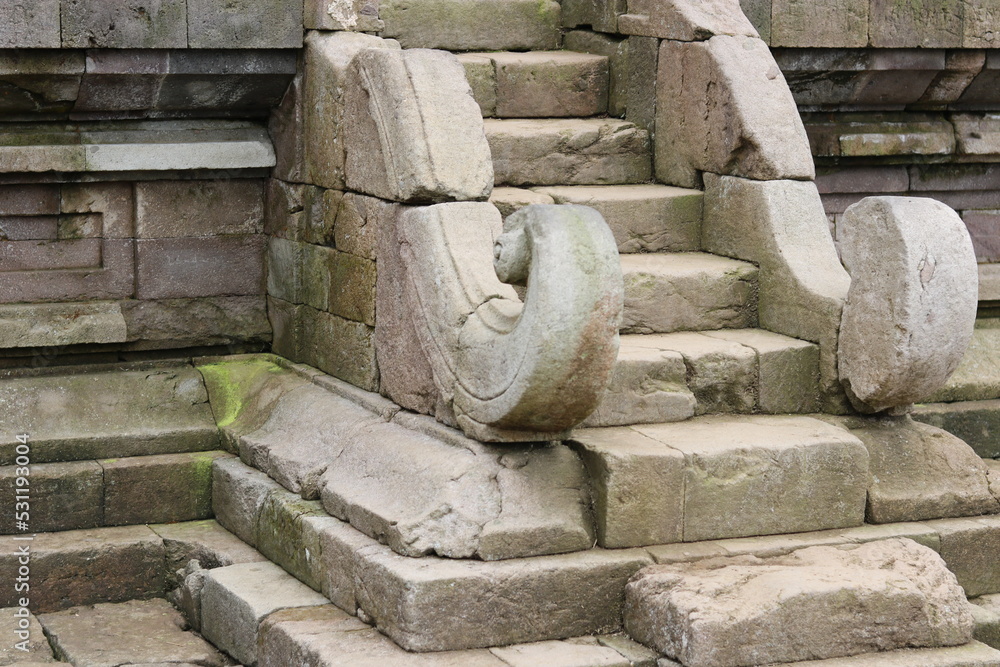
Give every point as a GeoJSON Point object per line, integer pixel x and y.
{"type": "Point", "coordinates": [500, 333]}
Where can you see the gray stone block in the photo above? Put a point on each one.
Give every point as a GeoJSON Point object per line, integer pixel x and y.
{"type": "Point", "coordinates": [241, 80]}
{"type": "Point", "coordinates": [64, 496]}
{"type": "Point", "coordinates": [39, 81]}
{"type": "Point", "coordinates": [122, 80]}
{"type": "Point", "coordinates": [168, 209]}
{"type": "Point", "coordinates": [241, 24]}
{"type": "Point", "coordinates": [932, 24]}
{"type": "Point", "coordinates": [29, 24]}
{"type": "Point", "coordinates": [219, 320]}
{"type": "Point", "coordinates": [55, 324]}
{"type": "Point", "coordinates": [199, 267]}
{"type": "Point", "coordinates": [359, 15]}
{"type": "Point", "coordinates": [124, 24]}
{"type": "Point", "coordinates": [459, 25]}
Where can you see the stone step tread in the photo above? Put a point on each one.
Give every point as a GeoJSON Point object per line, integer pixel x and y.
{"type": "Point", "coordinates": [644, 218]}
{"type": "Point", "coordinates": [568, 151]}
{"type": "Point", "coordinates": [113, 492]}
{"type": "Point", "coordinates": [117, 410]}
{"type": "Point", "coordinates": [690, 291]}
{"type": "Point", "coordinates": [977, 377]}
{"type": "Point", "coordinates": [973, 654]}
{"type": "Point", "coordinates": [403, 596]}
{"type": "Point", "coordinates": [538, 84]}
{"type": "Point", "coordinates": [975, 422]}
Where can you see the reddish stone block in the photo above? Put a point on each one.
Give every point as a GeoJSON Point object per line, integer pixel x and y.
{"type": "Point", "coordinates": [171, 209]}
{"type": "Point", "coordinates": [115, 279]}
{"type": "Point", "coordinates": [196, 267]}
{"type": "Point", "coordinates": [863, 179]}
{"type": "Point", "coordinates": [35, 228]}
{"type": "Point", "coordinates": [50, 255]}
{"type": "Point", "coordinates": [29, 199]}
{"type": "Point", "coordinates": [984, 227]}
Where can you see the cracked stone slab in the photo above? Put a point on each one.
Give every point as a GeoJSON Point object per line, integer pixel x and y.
{"type": "Point", "coordinates": [817, 602]}
{"type": "Point", "coordinates": [134, 632]}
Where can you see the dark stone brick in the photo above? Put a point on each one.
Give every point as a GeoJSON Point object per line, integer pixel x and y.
{"type": "Point", "coordinates": [124, 24]}
{"type": "Point", "coordinates": [63, 496]}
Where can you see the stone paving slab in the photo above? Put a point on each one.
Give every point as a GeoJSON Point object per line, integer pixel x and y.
{"type": "Point", "coordinates": [24, 639]}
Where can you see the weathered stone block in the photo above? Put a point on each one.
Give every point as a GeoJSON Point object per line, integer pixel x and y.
{"type": "Point", "coordinates": [615, 49]}
{"type": "Point", "coordinates": [57, 324]}
{"type": "Point", "coordinates": [685, 20]}
{"type": "Point", "coordinates": [352, 359]}
{"type": "Point", "coordinates": [287, 129]}
{"type": "Point", "coordinates": [39, 81]}
{"type": "Point", "coordinates": [636, 481]}
{"type": "Point", "coordinates": [505, 602]}
{"type": "Point", "coordinates": [121, 80]}
{"type": "Point", "coordinates": [910, 312]}
{"type": "Point", "coordinates": [457, 25]}
{"type": "Point", "coordinates": [974, 422]}
{"type": "Point", "coordinates": [922, 472]}
{"type": "Point", "coordinates": [237, 598]}
{"type": "Point", "coordinates": [560, 653]}
{"type": "Point", "coordinates": [35, 650]}
{"type": "Point", "coordinates": [238, 495]}
{"type": "Point", "coordinates": [327, 57]}
{"type": "Point", "coordinates": [550, 84]}
{"type": "Point", "coordinates": [220, 320]}
{"type": "Point", "coordinates": [759, 14]}
{"type": "Point", "coordinates": [204, 541]}
{"type": "Point", "coordinates": [827, 23]}
{"type": "Point", "coordinates": [640, 104]}
{"type": "Point", "coordinates": [29, 200]}
{"type": "Point", "coordinates": [284, 204]}
{"type": "Point", "coordinates": [81, 567]}
{"type": "Point", "coordinates": [751, 129]}
{"type": "Point", "coordinates": [198, 267]}
{"type": "Point", "coordinates": [63, 496]}
{"type": "Point", "coordinates": [352, 288]}
{"type": "Point", "coordinates": [568, 152]}
{"type": "Point", "coordinates": [481, 75]}
{"type": "Point", "coordinates": [180, 486]}
{"type": "Point", "coordinates": [967, 546]}
{"type": "Point", "coordinates": [599, 15]}
{"type": "Point", "coordinates": [856, 599]}
{"type": "Point", "coordinates": [358, 221]}
{"type": "Point", "coordinates": [252, 82]}
{"type": "Point", "coordinates": [687, 292]}
{"type": "Point", "coordinates": [977, 134]}
{"type": "Point", "coordinates": [980, 24]}
{"type": "Point", "coordinates": [431, 146]}
{"type": "Point", "coordinates": [29, 25]}
{"type": "Point", "coordinates": [243, 24]}
{"type": "Point", "coordinates": [932, 24]}
{"type": "Point", "coordinates": [124, 24]}
{"type": "Point", "coordinates": [150, 630]}
{"type": "Point", "coordinates": [760, 475]}
{"type": "Point", "coordinates": [284, 537]}
{"type": "Point", "coordinates": [358, 15]}
{"type": "Point", "coordinates": [167, 209]}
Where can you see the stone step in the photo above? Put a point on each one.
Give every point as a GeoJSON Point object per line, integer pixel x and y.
{"type": "Point", "coordinates": [671, 377]}
{"type": "Point", "coordinates": [643, 218]}
{"type": "Point", "coordinates": [977, 377]}
{"type": "Point", "coordinates": [821, 602]}
{"type": "Point", "coordinates": [524, 599]}
{"type": "Point", "coordinates": [538, 84]}
{"type": "Point", "coordinates": [667, 292]}
{"type": "Point", "coordinates": [975, 422]}
{"type": "Point", "coordinates": [571, 151]}
{"type": "Point", "coordinates": [111, 492]}
{"type": "Point", "coordinates": [97, 412]}
{"type": "Point", "coordinates": [719, 477]}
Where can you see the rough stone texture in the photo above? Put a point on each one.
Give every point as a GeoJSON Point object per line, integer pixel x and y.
{"type": "Point", "coordinates": [685, 20]}
{"type": "Point", "coordinates": [787, 368]}
{"type": "Point", "coordinates": [179, 483]}
{"type": "Point", "coordinates": [30, 25]}
{"type": "Point", "coordinates": [967, 546]}
{"type": "Point", "coordinates": [973, 654]}
{"type": "Point", "coordinates": [220, 320]}
{"type": "Point", "coordinates": [327, 58]}
{"type": "Point", "coordinates": [286, 538]}
{"type": "Point", "coordinates": [125, 413]}
{"type": "Point", "coordinates": [855, 599]}
{"type": "Point", "coordinates": [978, 375]}
{"type": "Point", "coordinates": [735, 468]}
{"type": "Point", "coordinates": [458, 25]}
{"type": "Point", "coordinates": [752, 129]}
{"type": "Point", "coordinates": [323, 635]}
{"type": "Point", "coordinates": [643, 58]}
{"type": "Point", "coordinates": [36, 646]}
{"type": "Point", "coordinates": [114, 278]}
{"type": "Point", "coordinates": [45, 325]}
{"type": "Point", "coordinates": [238, 495]}
{"type": "Point", "coordinates": [352, 359]}
{"type": "Point", "coordinates": [38, 80]}
{"type": "Point", "coordinates": [980, 24]}
{"type": "Point", "coordinates": [635, 481]}
{"type": "Point", "coordinates": [721, 374]}
{"type": "Point", "coordinates": [550, 84]}
{"type": "Point", "coordinates": [615, 49]}
{"type": "Point", "coordinates": [237, 598]}
{"type": "Point", "coordinates": [759, 14]}
{"type": "Point", "coordinates": [911, 308]}
{"type": "Point", "coordinates": [687, 292]}
{"type": "Point", "coordinates": [413, 132]}
{"type": "Point", "coordinates": [124, 24]}
{"type": "Point", "coordinates": [984, 228]}
{"type": "Point", "coordinates": [643, 218]}
{"type": "Point", "coordinates": [507, 602]}
{"type": "Point", "coordinates": [647, 386]}
{"type": "Point", "coordinates": [934, 24]}
{"type": "Point", "coordinates": [984, 611]}
{"type": "Point", "coordinates": [826, 23]}
{"type": "Point", "coordinates": [168, 209]}
{"type": "Point", "coordinates": [244, 24]}
{"type": "Point", "coordinates": [63, 496]}
{"type": "Point", "coordinates": [508, 200]}
{"type": "Point", "coordinates": [359, 15]}
{"type": "Point", "coordinates": [560, 654]}
{"type": "Point", "coordinates": [976, 134]}
{"type": "Point", "coordinates": [286, 126]}
{"type": "Point", "coordinates": [200, 267]}
{"type": "Point", "coordinates": [80, 567]}
{"type": "Point", "coordinates": [568, 151]}
{"type": "Point", "coordinates": [599, 15]}
{"type": "Point", "coordinates": [781, 227]}
{"type": "Point", "coordinates": [868, 136]}
{"type": "Point", "coordinates": [975, 422]}
{"type": "Point", "coordinates": [204, 541]}
{"type": "Point", "coordinates": [922, 472]}
{"type": "Point", "coordinates": [107, 635]}
{"type": "Point", "coordinates": [481, 74]}
{"type": "Point", "coordinates": [113, 201]}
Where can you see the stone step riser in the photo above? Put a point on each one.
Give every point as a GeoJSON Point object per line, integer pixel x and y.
{"type": "Point", "coordinates": [111, 492]}
{"type": "Point", "coordinates": [568, 152]}
{"type": "Point", "coordinates": [672, 292]}
{"type": "Point", "coordinates": [672, 377]}
{"type": "Point", "coordinates": [538, 84]}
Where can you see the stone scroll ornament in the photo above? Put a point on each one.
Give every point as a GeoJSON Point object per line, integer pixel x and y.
{"type": "Point", "coordinates": [911, 308]}
{"type": "Point", "coordinates": [513, 370]}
